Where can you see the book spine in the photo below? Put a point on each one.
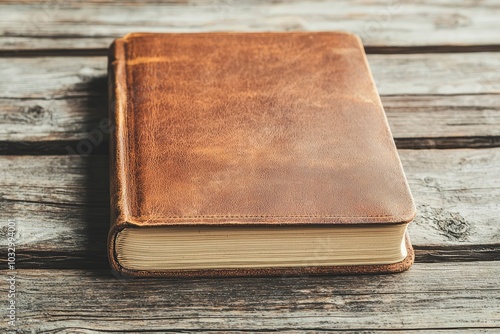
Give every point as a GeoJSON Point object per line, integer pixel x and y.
{"type": "Point", "coordinates": [117, 90]}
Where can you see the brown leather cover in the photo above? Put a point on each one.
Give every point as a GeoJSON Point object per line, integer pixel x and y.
{"type": "Point", "coordinates": [250, 128]}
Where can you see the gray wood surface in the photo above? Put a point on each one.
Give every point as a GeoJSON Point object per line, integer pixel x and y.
{"type": "Point", "coordinates": [381, 23]}
{"type": "Point", "coordinates": [51, 101]}
{"type": "Point", "coordinates": [396, 74]}
{"type": "Point", "coordinates": [414, 299]}
{"type": "Point", "coordinates": [436, 67]}
{"type": "Point", "coordinates": [65, 204]}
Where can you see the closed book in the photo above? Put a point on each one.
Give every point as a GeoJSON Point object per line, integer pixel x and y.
{"type": "Point", "coordinates": [236, 154]}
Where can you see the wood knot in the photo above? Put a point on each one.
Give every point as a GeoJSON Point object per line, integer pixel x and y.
{"type": "Point", "coordinates": [3, 232]}
{"type": "Point", "coordinates": [35, 114]}
{"type": "Point", "coordinates": [455, 226]}
{"type": "Point", "coordinates": [450, 224]}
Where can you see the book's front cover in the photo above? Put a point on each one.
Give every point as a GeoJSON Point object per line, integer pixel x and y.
{"type": "Point", "coordinates": [250, 128]}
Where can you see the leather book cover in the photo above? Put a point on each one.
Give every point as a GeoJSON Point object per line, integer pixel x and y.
{"type": "Point", "coordinates": [250, 128]}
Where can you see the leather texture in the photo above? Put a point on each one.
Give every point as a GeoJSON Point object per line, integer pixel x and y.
{"type": "Point", "coordinates": [250, 128]}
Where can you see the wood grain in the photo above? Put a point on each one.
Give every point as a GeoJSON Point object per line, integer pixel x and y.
{"type": "Point", "coordinates": [61, 206]}
{"type": "Point", "coordinates": [71, 24]}
{"type": "Point", "coordinates": [51, 102]}
{"type": "Point", "coordinates": [399, 74]}
{"type": "Point", "coordinates": [64, 301]}
{"type": "Point", "coordinates": [436, 67]}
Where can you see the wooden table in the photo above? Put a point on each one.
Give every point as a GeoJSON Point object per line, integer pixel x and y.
{"type": "Point", "coordinates": [437, 68]}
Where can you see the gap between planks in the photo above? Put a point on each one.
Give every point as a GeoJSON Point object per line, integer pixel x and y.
{"type": "Point", "coordinates": [92, 52]}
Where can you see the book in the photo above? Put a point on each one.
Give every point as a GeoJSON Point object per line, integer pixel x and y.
{"type": "Point", "coordinates": [236, 154]}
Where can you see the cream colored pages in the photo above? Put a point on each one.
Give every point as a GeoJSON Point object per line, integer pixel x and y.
{"type": "Point", "coordinates": [223, 247]}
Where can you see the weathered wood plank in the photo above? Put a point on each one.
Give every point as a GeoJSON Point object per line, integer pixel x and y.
{"type": "Point", "coordinates": [416, 74]}
{"type": "Point", "coordinates": [80, 300]}
{"type": "Point", "coordinates": [422, 116]}
{"type": "Point", "coordinates": [430, 116]}
{"type": "Point", "coordinates": [62, 99]}
{"type": "Point", "coordinates": [64, 24]}
{"type": "Point", "coordinates": [52, 78]}
{"type": "Point", "coordinates": [436, 74]}
{"type": "Point", "coordinates": [457, 193]}
{"type": "Point", "coordinates": [51, 119]}
{"type": "Point", "coordinates": [60, 204]}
